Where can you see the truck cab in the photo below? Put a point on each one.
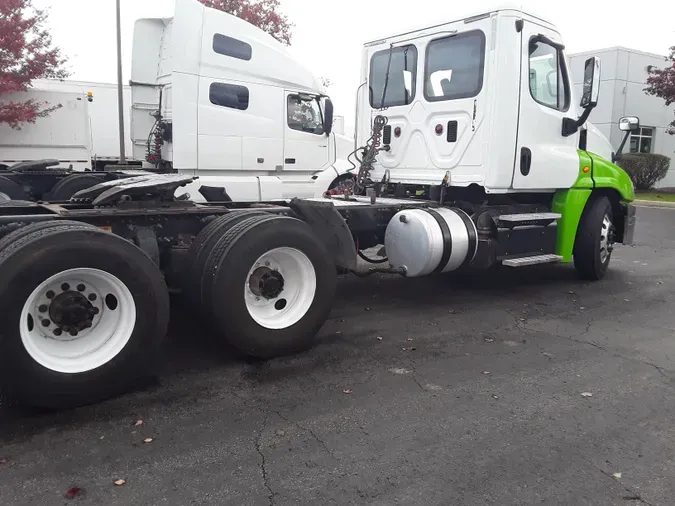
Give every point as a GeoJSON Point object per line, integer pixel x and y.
{"type": "Point", "coordinates": [215, 97]}
{"type": "Point", "coordinates": [486, 100]}
{"type": "Point", "coordinates": [479, 114]}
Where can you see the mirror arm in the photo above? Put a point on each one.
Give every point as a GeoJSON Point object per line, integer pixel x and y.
{"type": "Point", "coordinates": [550, 42]}
{"type": "Point", "coordinates": [584, 115]}
{"type": "Point", "coordinates": [617, 156]}
{"type": "Point", "coordinates": [572, 126]}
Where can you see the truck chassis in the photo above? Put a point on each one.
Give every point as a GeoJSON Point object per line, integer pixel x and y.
{"type": "Point", "coordinates": [84, 285]}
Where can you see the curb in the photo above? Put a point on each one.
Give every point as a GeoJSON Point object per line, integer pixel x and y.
{"type": "Point", "coordinates": [654, 203]}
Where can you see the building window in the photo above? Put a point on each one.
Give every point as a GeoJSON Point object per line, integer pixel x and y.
{"type": "Point", "coordinates": [549, 84]}
{"type": "Point", "coordinates": [304, 115]}
{"type": "Point", "coordinates": [229, 95]}
{"type": "Point", "coordinates": [642, 140]}
{"type": "Point", "coordinates": [399, 87]}
{"type": "Point", "coordinates": [454, 67]}
{"type": "Point", "coordinates": [222, 44]}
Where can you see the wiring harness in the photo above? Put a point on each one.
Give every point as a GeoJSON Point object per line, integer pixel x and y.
{"type": "Point", "coordinates": [357, 184]}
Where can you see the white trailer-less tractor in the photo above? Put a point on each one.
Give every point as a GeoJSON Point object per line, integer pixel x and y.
{"type": "Point", "coordinates": [216, 97]}
{"type": "Point", "coordinates": [472, 157]}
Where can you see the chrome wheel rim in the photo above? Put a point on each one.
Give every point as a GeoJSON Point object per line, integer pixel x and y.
{"type": "Point", "coordinates": [606, 238]}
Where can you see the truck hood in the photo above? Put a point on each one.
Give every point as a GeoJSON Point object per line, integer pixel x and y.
{"type": "Point", "coordinates": [597, 143]}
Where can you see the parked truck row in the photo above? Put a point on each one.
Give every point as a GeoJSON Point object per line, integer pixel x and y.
{"type": "Point", "coordinates": [473, 152]}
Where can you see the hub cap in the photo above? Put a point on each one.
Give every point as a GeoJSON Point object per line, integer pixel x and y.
{"type": "Point", "coordinates": [606, 238]}
{"type": "Point", "coordinates": [280, 288]}
{"type": "Point", "coordinates": [77, 320]}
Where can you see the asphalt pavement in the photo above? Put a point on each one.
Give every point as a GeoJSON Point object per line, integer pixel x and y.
{"type": "Point", "coordinates": [514, 387]}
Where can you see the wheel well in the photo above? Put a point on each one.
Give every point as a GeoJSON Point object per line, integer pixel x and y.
{"type": "Point", "coordinates": [340, 179]}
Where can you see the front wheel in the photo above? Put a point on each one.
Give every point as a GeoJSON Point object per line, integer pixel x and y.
{"type": "Point", "coordinates": [595, 240]}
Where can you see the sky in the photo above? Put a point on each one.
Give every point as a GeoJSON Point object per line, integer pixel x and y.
{"type": "Point", "coordinates": [328, 34]}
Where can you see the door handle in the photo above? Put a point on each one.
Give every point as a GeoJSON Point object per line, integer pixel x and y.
{"type": "Point", "coordinates": [289, 160]}
{"type": "Point", "coordinates": [525, 160]}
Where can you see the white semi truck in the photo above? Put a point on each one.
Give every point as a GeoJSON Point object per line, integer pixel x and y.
{"type": "Point", "coordinates": [271, 145]}
{"type": "Point", "coordinates": [216, 97]}
{"type": "Point", "coordinates": [66, 150]}
{"type": "Point", "coordinates": [472, 155]}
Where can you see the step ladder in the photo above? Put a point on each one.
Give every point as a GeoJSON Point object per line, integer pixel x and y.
{"type": "Point", "coordinates": [526, 219]}
{"type": "Point", "coordinates": [532, 260]}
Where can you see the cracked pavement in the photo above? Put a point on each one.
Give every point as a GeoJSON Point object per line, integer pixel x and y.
{"type": "Point", "coordinates": [486, 409]}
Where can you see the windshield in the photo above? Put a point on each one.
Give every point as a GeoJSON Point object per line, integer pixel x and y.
{"type": "Point", "coordinates": [400, 86]}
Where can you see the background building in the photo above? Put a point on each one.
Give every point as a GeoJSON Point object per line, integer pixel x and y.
{"type": "Point", "coordinates": [623, 77]}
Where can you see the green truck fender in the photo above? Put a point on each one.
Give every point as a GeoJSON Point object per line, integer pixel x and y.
{"type": "Point", "coordinates": [596, 176]}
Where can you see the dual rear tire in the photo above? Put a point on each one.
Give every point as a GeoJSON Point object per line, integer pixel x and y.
{"type": "Point", "coordinates": [266, 282]}
{"type": "Point", "coordinates": [83, 314]}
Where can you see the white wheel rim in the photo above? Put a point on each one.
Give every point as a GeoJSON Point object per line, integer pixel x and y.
{"type": "Point", "coordinates": [286, 308]}
{"type": "Point", "coordinates": [110, 312]}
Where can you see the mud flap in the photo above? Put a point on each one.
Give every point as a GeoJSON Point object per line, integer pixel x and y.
{"type": "Point", "coordinates": [331, 229]}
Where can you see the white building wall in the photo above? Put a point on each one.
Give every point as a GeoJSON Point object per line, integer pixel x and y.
{"type": "Point", "coordinates": [622, 83]}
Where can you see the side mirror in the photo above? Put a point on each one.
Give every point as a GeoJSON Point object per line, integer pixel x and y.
{"type": "Point", "coordinates": [629, 123]}
{"type": "Point", "coordinates": [591, 90]}
{"type": "Point", "coordinates": [328, 116]}
{"type": "Point", "coordinates": [589, 96]}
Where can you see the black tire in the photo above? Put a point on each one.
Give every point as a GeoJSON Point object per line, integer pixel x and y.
{"type": "Point", "coordinates": [35, 257]}
{"type": "Point", "coordinates": [587, 246]}
{"type": "Point", "coordinates": [9, 188]}
{"type": "Point", "coordinates": [201, 248]}
{"type": "Point", "coordinates": [70, 185]}
{"type": "Point", "coordinates": [226, 275]}
{"type": "Point", "coordinates": [41, 225]}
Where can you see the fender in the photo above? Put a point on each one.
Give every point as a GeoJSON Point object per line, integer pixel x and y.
{"type": "Point", "coordinates": [605, 174]}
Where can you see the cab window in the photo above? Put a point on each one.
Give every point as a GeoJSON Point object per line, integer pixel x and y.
{"type": "Point", "coordinates": [397, 86]}
{"type": "Point", "coordinates": [454, 67]}
{"type": "Point", "coordinates": [304, 114]}
{"type": "Point", "coordinates": [549, 84]}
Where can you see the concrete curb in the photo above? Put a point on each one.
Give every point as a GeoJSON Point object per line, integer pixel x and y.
{"type": "Point", "coordinates": [654, 203]}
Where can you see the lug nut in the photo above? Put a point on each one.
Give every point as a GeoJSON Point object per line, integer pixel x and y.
{"type": "Point", "coordinates": [73, 333]}
{"type": "Point", "coordinates": [92, 297]}
{"type": "Point", "coordinates": [43, 308]}
{"type": "Point", "coordinates": [81, 288]}
{"type": "Point", "coordinates": [50, 294]}
{"type": "Point", "coordinates": [58, 332]}
{"type": "Point", "coordinates": [65, 287]}
{"type": "Point", "coordinates": [95, 310]}
{"type": "Point", "coordinates": [46, 323]}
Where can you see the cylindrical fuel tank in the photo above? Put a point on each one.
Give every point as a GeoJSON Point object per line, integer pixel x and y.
{"type": "Point", "coordinates": [426, 241]}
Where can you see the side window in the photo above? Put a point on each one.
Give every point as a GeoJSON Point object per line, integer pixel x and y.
{"type": "Point", "coordinates": [222, 44]}
{"type": "Point", "coordinates": [642, 140]}
{"type": "Point", "coordinates": [397, 87]}
{"type": "Point", "coordinates": [304, 114]}
{"type": "Point", "coordinates": [454, 67]}
{"type": "Point", "coordinates": [549, 84]}
{"type": "Point", "coordinates": [229, 95]}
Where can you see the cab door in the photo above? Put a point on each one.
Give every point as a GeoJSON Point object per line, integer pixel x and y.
{"type": "Point", "coordinates": [305, 140]}
{"type": "Point", "coordinates": [545, 158]}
